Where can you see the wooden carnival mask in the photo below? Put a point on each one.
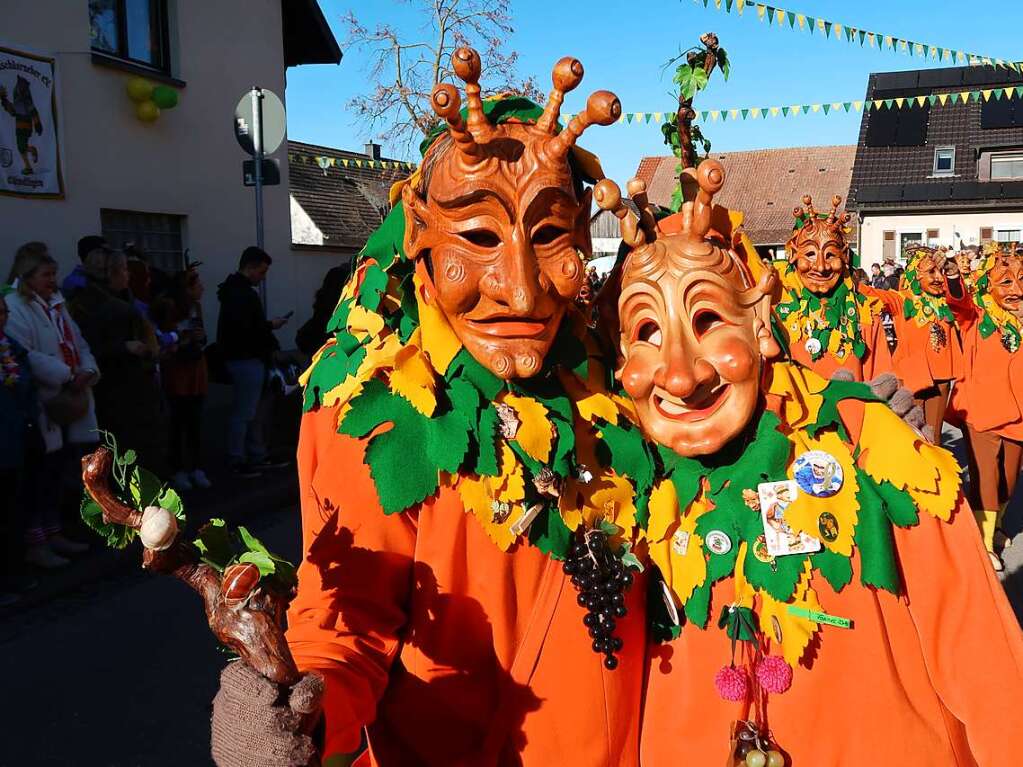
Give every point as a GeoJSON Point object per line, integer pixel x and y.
{"type": "Point", "coordinates": [1005, 283]}
{"type": "Point", "coordinates": [695, 329]}
{"type": "Point", "coordinates": [497, 224]}
{"type": "Point", "coordinates": [818, 247]}
{"type": "Point", "coordinates": [927, 267]}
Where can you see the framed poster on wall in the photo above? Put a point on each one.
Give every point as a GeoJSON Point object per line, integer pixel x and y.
{"type": "Point", "coordinates": [29, 142]}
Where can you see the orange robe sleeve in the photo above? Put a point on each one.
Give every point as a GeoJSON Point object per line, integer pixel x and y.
{"type": "Point", "coordinates": [969, 636]}
{"type": "Point", "coordinates": [364, 563]}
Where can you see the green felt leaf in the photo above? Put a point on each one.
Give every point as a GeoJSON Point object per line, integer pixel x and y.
{"type": "Point", "coordinates": [374, 283]}
{"type": "Point", "coordinates": [739, 623]}
{"type": "Point", "coordinates": [386, 242]}
{"type": "Point", "coordinates": [563, 449]}
{"type": "Point", "coordinates": [465, 366]}
{"type": "Point", "coordinates": [486, 435]}
{"type": "Point", "coordinates": [333, 367]}
{"type": "Point", "coordinates": [549, 534]}
{"type": "Point", "coordinates": [898, 504]}
{"type": "Point", "coordinates": [836, 569]}
{"type": "Point", "coordinates": [780, 580]}
{"type": "Point", "coordinates": [629, 455]}
{"type": "Point", "coordinates": [763, 458]}
{"type": "Point", "coordinates": [836, 391]}
{"type": "Point", "coordinates": [697, 607]}
{"type": "Point", "coordinates": [873, 537]}
{"type": "Point", "coordinates": [401, 469]}
{"type": "Point", "coordinates": [339, 319]}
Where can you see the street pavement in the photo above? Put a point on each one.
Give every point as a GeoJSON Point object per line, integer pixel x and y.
{"type": "Point", "coordinates": [120, 672]}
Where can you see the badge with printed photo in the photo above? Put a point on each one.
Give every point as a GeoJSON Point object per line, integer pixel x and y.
{"type": "Point", "coordinates": [782, 540]}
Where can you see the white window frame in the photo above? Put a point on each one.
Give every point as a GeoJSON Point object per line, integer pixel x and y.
{"type": "Point", "coordinates": [938, 151]}
{"type": "Point", "coordinates": [1014, 157]}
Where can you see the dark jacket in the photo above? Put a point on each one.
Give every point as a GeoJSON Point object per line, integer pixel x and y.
{"type": "Point", "coordinates": [243, 332]}
{"type": "Point", "coordinates": [18, 410]}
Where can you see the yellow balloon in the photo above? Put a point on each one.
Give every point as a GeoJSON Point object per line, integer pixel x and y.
{"type": "Point", "coordinates": [147, 111]}
{"type": "Point", "coordinates": [139, 89]}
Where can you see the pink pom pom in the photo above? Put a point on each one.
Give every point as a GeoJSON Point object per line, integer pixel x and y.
{"type": "Point", "coordinates": [774, 674]}
{"type": "Point", "coordinates": [732, 683]}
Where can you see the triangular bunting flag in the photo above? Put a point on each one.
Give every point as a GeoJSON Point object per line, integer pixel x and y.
{"type": "Point", "coordinates": [785, 111]}
{"type": "Point", "coordinates": [1019, 91]}
{"type": "Point", "coordinates": [345, 162]}
{"type": "Point", "coordinates": [846, 105]}
{"type": "Point", "coordinates": [889, 41]}
{"type": "Point", "coordinates": [756, 112]}
{"type": "Point", "coordinates": [715, 114]}
{"type": "Point", "coordinates": [802, 21]}
{"type": "Point", "coordinates": [964, 96]}
{"type": "Point", "coordinates": [921, 100]}
{"type": "Point", "coordinates": [838, 30]}
{"type": "Point", "coordinates": [827, 108]}
{"type": "Point", "coordinates": [745, 113]}
{"type": "Point", "coordinates": [734, 114]}
{"type": "Point", "coordinates": [878, 103]}
{"type": "Point", "coordinates": [974, 96]}
{"type": "Point", "coordinates": [703, 116]}
{"type": "Point", "coordinates": [827, 29]}
{"type": "Point", "coordinates": [836, 105]}
{"type": "Point", "coordinates": [792, 20]}
{"type": "Point", "coordinates": [816, 108]}
{"type": "Point", "coordinates": [857, 105]}
{"type": "Point", "coordinates": [640, 117]}
{"type": "Point", "coordinates": [918, 49]}
{"type": "Point", "coordinates": [900, 102]}
{"type": "Point", "coordinates": [629, 116]}
{"type": "Point", "coordinates": [658, 116]}
{"type": "Point", "coordinates": [863, 36]}
{"type": "Point", "coordinates": [932, 52]}
{"type": "Point", "coordinates": [931, 99]}
{"type": "Point", "coordinates": [888, 103]}
{"type": "Point", "coordinates": [943, 98]}
{"type": "Point", "coordinates": [870, 39]}
{"type": "Point", "coordinates": [774, 111]}
{"type": "Point", "coordinates": [986, 94]}
{"type": "Point", "coordinates": [805, 108]}
{"type": "Point", "coordinates": [724, 117]}
{"type": "Point", "coordinates": [761, 10]}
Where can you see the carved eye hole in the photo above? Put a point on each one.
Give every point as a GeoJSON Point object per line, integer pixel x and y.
{"type": "Point", "coordinates": [545, 235]}
{"type": "Point", "coordinates": [649, 333]}
{"type": "Point", "coordinates": [705, 321]}
{"type": "Point", "coordinates": [481, 238]}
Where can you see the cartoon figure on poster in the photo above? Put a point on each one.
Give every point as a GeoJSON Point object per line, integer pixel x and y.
{"type": "Point", "coordinates": [29, 153]}
{"type": "Point", "coordinates": [26, 121]}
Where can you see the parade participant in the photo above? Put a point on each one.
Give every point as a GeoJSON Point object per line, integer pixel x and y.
{"type": "Point", "coordinates": [449, 456]}
{"type": "Point", "coordinates": [829, 322]}
{"type": "Point", "coordinates": [991, 394]}
{"type": "Point", "coordinates": [929, 355]}
{"type": "Point", "coordinates": [795, 525]}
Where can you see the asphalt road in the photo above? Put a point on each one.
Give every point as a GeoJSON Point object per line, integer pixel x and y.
{"type": "Point", "coordinates": [120, 673]}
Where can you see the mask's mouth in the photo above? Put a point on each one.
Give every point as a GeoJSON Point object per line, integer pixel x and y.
{"type": "Point", "coordinates": [510, 325]}
{"type": "Point", "coordinates": [702, 404]}
{"type": "Point", "coordinates": [1013, 302]}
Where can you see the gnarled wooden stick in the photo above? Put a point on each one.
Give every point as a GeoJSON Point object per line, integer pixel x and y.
{"type": "Point", "coordinates": [245, 617]}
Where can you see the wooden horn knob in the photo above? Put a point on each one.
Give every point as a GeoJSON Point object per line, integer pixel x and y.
{"type": "Point", "coordinates": [567, 74]}
{"type": "Point", "coordinates": [466, 63]}
{"type": "Point", "coordinates": [446, 101]}
{"type": "Point", "coordinates": [603, 107]}
{"type": "Point", "coordinates": [607, 195]}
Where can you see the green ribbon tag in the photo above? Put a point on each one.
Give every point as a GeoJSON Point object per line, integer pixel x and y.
{"type": "Point", "coordinates": [819, 617]}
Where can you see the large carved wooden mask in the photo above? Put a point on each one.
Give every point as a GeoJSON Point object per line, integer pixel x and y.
{"type": "Point", "coordinates": [497, 223]}
{"type": "Point", "coordinates": [818, 249]}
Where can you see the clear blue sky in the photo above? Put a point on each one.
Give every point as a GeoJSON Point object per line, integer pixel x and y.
{"type": "Point", "coordinates": [624, 45]}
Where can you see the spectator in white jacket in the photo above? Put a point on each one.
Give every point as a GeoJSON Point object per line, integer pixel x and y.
{"type": "Point", "coordinates": [65, 371]}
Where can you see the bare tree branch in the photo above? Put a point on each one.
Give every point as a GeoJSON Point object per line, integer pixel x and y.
{"type": "Point", "coordinates": [403, 68]}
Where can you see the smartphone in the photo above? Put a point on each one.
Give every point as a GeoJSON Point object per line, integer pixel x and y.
{"type": "Point", "coordinates": [289, 315]}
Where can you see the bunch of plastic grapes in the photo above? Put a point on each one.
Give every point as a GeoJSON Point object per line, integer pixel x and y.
{"type": "Point", "coordinates": [601, 578]}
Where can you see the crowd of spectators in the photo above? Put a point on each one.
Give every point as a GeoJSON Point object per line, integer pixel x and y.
{"type": "Point", "coordinates": [122, 350]}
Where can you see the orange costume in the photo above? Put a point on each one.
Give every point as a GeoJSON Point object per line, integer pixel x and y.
{"type": "Point", "coordinates": [829, 322]}
{"type": "Point", "coordinates": [990, 396]}
{"type": "Point", "coordinates": [931, 674]}
{"type": "Point", "coordinates": [452, 651]}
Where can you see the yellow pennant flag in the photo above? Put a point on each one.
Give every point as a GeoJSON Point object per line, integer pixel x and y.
{"type": "Point", "coordinates": [986, 94]}
{"type": "Point", "coordinates": [889, 41]}
{"type": "Point", "coordinates": [639, 117]}
{"type": "Point", "coordinates": [870, 38]}
{"type": "Point", "coordinates": [796, 110]}
{"type": "Point", "coordinates": [658, 116]}
{"type": "Point", "coordinates": [761, 10]}
{"type": "Point", "coordinates": [715, 114]}
{"type": "Point", "coordinates": [801, 19]}
{"type": "Point", "coordinates": [918, 49]}
{"type": "Point", "coordinates": [755, 112]}
{"type": "Point", "coordinates": [733, 113]}
{"type": "Point", "coordinates": [820, 24]}
{"type": "Point", "coordinates": [921, 100]}
{"type": "Point", "coordinates": [933, 52]}
{"type": "Point", "coordinates": [775, 111]}
{"type": "Point", "coordinates": [943, 98]}
{"type": "Point", "coordinates": [900, 102]}
{"type": "Point", "coordinates": [878, 103]}
{"type": "Point", "coordinates": [857, 105]}
{"type": "Point", "coordinates": [815, 107]}
{"type": "Point", "coordinates": [903, 46]}
{"type": "Point", "coordinates": [837, 29]}
{"type": "Point", "coordinates": [836, 105]}
{"type": "Point", "coordinates": [964, 96]}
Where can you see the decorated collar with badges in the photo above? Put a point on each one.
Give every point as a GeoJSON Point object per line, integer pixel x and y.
{"type": "Point", "coordinates": [793, 498]}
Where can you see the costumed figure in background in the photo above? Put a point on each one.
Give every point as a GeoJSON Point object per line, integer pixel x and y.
{"type": "Point", "coordinates": [873, 632]}
{"type": "Point", "coordinates": [26, 119]}
{"type": "Point", "coordinates": [929, 355]}
{"type": "Point", "coordinates": [990, 397]}
{"type": "Point", "coordinates": [449, 455]}
{"type": "Point", "coordinates": [829, 322]}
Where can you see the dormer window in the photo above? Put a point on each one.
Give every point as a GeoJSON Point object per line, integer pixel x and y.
{"type": "Point", "coordinates": [944, 161]}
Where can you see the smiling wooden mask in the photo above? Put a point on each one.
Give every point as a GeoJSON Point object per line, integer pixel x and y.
{"type": "Point", "coordinates": [818, 248]}
{"type": "Point", "coordinates": [695, 327]}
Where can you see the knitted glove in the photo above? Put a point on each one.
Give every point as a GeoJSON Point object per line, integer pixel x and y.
{"type": "Point", "coordinates": [256, 723]}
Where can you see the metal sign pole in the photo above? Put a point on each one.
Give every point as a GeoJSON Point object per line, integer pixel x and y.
{"type": "Point", "coordinates": [256, 94]}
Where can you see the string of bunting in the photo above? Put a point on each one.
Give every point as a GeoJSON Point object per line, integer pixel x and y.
{"type": "Point", "coordinates": [345, 162]}
{"type": "Point", "coordinates": [834, 107]}
{"type": "Point", "coordinates": [880, 40]}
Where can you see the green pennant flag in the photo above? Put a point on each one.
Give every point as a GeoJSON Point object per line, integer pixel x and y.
{"type": "Point", "coordinates": [792, 20]}
{"type": "Point", "coordinates": [806, 109]}
{"type": "Point", "coordinates": [630, 115]}
{"type": "Point", "coordinates": [724, 115]}
{"type": "Point", "coordinates": [785, 111]}
{"type": "Point", "coordinates": [1019, 91]}
{"type": "Point", "coordinates": [703, 116]}
{"type": "Point", "coordinates": [863, 36]}
{"type": "Point", "coordinates": [849, 33]}
{"type": "Point", "coordinates": [745, 113]}
{"type": "Point", "coordinates": [932, 99]}
{"type": "Point", "coordinates": [975, 96]}
{"type": "Point", "coordinates": [827, 108]}
{"type": "Point", "coordinates": [827, 29]}
{"type": "Point", "coordinates": [888, 103]}
{"type": "Point", "coordinates": [728, 6]}
{"type": "Point", "coordinates": [811, 22]}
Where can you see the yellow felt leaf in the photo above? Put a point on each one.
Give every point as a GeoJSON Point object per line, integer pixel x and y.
{"type": "Point", "coordinates": [681, 572]}
{"type": "Point", "coordinates": [799, 390]}
{"type": "Point", "coordinates": [414, 379]}
{"type": "Point", "coordinates": [476, 498]}
{"type": "Point", "coordinates": [510, 485]}
{"type": "Point", "coordinates": [379, 355]}
{"type": "Point", "coordinates": [892, 451]}
{"type": "Point", "coordinates": [796, 632]}
{"type": "Point", "coordinates": [614, 500]}
{"type": "Point", "coordinates": [664, 511]}
{"type": "Point", "coordinates": [439, 341]}
{"type": "Point", "coordinates": [536, 433]}
{"type": "Point", "coordinates": [363, 323]}
{"type": "Point", "coordinates": [803, 513]}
